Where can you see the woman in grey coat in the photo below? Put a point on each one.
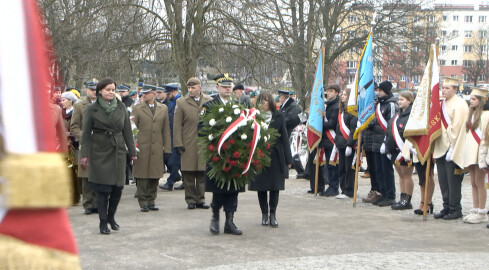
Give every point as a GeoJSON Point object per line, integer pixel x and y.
{"type": "Point", "coordinates": [106, 136]}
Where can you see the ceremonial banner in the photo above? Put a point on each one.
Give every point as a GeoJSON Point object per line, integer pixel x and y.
{"type": "Point", "coordinates": [424, 123]}
{"type": "Point", "coordinates": [35, 232]}
{"type": "Point", "coordinates": [316, 110]}
{"type": "Point", "coordinates": [361, 101]}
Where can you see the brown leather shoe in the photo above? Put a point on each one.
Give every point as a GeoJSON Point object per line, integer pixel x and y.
{"type": "Point", "coordinates": [372, 196]}
{"type": "Point", "coordinates": [365, 175]}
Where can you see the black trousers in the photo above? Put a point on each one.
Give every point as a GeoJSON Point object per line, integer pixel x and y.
{"type": "Point", "coordinates": [107, 203]}
{"type": "Point", "coordinates": [311, 170]}
{"type": "Point", "coordinates": [346, 173]}
{"type": "Point", "coordinates": [264, 203]}
{"type": "Point", "coordinates": [229, 201]}
{"type": "Point", "coordinates": [450, 184]}
{"type": "Point", "coordinates": [370, 156]}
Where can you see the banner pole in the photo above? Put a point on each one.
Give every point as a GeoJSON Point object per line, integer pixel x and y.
{"type": "Point", "coordinates": [317, 172]}
{"type": "Point", "coordinates": [426, 181]}
{"type": "Point", "coordinates": [357, 166]}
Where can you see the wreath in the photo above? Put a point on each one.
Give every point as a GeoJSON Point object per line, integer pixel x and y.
{"type": "Point", "coordinates": [235, 142]}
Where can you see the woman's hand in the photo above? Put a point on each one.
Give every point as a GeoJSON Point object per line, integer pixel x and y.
{"type": "Point", "coordinates": [84, 163]}
{"type": "Point", "coordinates": [133, 159]}
{"type": "Point", "coordinates": [289, 165]}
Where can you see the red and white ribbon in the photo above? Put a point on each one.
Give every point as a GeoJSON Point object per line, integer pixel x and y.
{"type": "Point", "coordinates": [397, 138]}
{"type": "Point", "coordinates": [380, 118]}
{"type": "Point", "coordinates": [333, 158]}
{"type": "Point", "coordinates": [343, 127]}
{"type": "Point", "coordinates": [245, 116]}
{"type": "Point", "coordinates": [477, 133]}
{"type": "Point", "coordinates": [445, 118]}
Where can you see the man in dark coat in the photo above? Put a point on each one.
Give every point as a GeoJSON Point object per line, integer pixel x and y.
{"type": "Point", "coordinates": [173, 162]}
{"type": "Point", "coordinates": [161, 96]}
{"type": "Point", "coordinates": [291, 111]}
{"type": "Point", "coordinates": [238, 92]}
{"type": "Point", "coordinates": [221, 197]}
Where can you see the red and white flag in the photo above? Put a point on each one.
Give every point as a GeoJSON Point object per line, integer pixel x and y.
{"type": "Point", "coordinates": [35, 232]}
{"type": "Point", "coordinates": [424, 123]}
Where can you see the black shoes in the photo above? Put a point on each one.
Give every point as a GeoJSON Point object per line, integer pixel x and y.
{"type": "Point", "coordinates": [379, 199]}
{"type": "Point", "coordinates": [302, 176]}
{"type": "Point", "coordinates": [404, 204]}
{"type": "Point", "coordinates": [453, 215]}
{"type": "Point", "coordinates": [311, 191]}
{"type": "Point", "coordinates": [202, 205]}
{"type": "Point", "coordinates": [191, 206]}
{"type": "Point", "coordinates": [180, 187]}
{"type": "Point", "coordinates": [114, 225]}
{"type": "Point", "coordinates": [144, 209]}
{"type": "Point", "coordinates": [103, 227]}
{"type": "Point", "coordinates": [329, 193]}
{"type": "Point", "coordinates": [429, 210]}
{"type": "Point", "coordinates": [386, 202]}
{"type": "Point", "coordinates": [166, 186]}
{"type": "Point", "coordinates": [90, 211]}
{"type": "Point", "coordinates": [264, 219]}
{"type": "Point", "coordinates": [153, 208]}
{"type": "Point", "coordinates": [229, 226]}
{"type": "Point", "coordinates": [442, 213]}
{"type": "Point", "coordinates": [215, 222]}
{"type": "Point", "coordinates": [273, 221]}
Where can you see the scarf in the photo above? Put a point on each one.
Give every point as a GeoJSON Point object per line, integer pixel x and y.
{"type": "Point", "coordinates": [109, 108]}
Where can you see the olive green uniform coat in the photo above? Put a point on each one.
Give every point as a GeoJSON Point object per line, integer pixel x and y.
{"type": "Point", "coordinates": [76, 127]}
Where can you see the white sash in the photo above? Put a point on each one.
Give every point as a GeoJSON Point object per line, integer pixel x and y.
{"type": "Point", "coordinates": [444, 114]}
{"type": "Point", "coordinates": [380, 118]}
{"type": "Point", "coordinates": [397, 138]}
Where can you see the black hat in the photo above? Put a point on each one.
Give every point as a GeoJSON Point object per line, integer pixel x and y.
{"type": "Point", "coordinates": [283, 92]}
{"type": "Point", "coordinates": [335, 87]}
{"type": "Point", "coordinates": [238, 87]}
{"type": "Point", "coordinates": [386, 86]}
{"type": "Point", "coordinates": [91, 85]}
{"type": "Point", "coordinates": [376, 85]}
{"type": "Point", "coordinates": [123, 88]}
{"type": "Point", "coordinates": [171, 87]}
{"type": "Point", "coordinates": [224, 80]}
{"type": "Point", "coordinates": [147, 88]}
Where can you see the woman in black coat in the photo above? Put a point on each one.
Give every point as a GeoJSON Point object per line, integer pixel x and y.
{"type": "Point", "coordinates": [272, 179]}
{"type": "Point", "coordinates": [347, 123]}
{"type": "Point", "coordinates": [105, 136]}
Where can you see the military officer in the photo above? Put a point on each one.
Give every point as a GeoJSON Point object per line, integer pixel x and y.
{"type": "Point", "coordinates": [161, 96]}
{"type": "Point", "coordinates": [151, 118]}
{"type": "Point", "coordinates": [228, 199]}
{"type": "Point", "coordinates": [185, 133]}
{"type": "Point", "coordinates": [76, 126]}
{"type": "Point", "coordinates": [449, 150]}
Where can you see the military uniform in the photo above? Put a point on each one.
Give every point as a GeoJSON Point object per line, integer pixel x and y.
{"type": "Point", "coordinates": [153, 139]}
{"type": "Point", "coordinates": [76, 127]}
{"type": "Point", "coordinates": [449, 153]}
{"type": "Point", "coordinates": [185, 134]}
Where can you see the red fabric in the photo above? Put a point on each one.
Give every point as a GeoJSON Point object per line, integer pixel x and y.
{"type": "Point", "coordinates": [43, 227]}
{"type": "Point", "coordinates": [312, 138]}
{"type": "Point", "coordinates": [37, 54]}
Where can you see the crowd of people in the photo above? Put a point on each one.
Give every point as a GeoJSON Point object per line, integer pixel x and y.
{"type": "Point", "coordinates": [115, 133]}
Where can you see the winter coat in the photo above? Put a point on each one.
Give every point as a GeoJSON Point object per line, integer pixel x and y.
{"type": "Point", "coordinates": [332, 108]}
{"type": "Point", "coordinates": [291, 111]}
{"type": "Point", "coordinates": [388, 108]}
{"type": "Point", "coordinates": [104, 141]}
{"type": "Point", "coordinates": [273, 177]}
{"type": "Point", "coordinates": [153, 139]}
{"type": "Point", "coordinates": [76, 127]}
{"type": "Point", "coordinates": [351, 122]}
{"type": "Point", "coordinates": [390, 143]}
{"type": "Point", "coordinates": [185, 131]}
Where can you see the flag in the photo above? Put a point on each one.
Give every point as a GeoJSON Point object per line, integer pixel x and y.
{"type": "Point", "coordinates": [424, 123]}
{"type": "Point", "coordinates": [361, 101]}
{"type": "Point", "coordinates": [35, 232]}
{"type": "Point", "coordinates": [316, 110]}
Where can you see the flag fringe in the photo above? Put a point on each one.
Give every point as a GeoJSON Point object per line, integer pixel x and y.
{"type": "Point", "coordinates": [318, 133]}
{"type": "Point", "coordinates": [363, 127]}
{"type": "Point", "coordinates": [422, 159]}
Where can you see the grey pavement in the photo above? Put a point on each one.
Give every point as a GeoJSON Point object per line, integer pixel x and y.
{"type": "Point", "coordinates": [314, 233]}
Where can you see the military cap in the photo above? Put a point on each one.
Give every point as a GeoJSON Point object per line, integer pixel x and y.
{"type": "Point", "coordinates": [148, 88]}
{"type": "Point", "coordinates": [69, 95]}
{"type": "Point", "coordinates": [171, 87]}
{"type": "Point", "coordinates": [132, 92]}
{"type": "Point", "coordinates": [450, 81]}
{"type": "Point", "coordinates": [193, 81]}
{"type": "Point", "coordinates": [91, 85]}
{"type": "Point", "coordinates": [479, 91]}
{"type": "Point", "coordinates": [160, 89]}
{"type": "Point", "coordinates": [283, 92]}
{"type": "Point", "coordinates": [238, 87]}
{"type": "Point", "coordinates": [224, 80]}
{"type": "Point", "coordinates": [253, 94]}
{"type": "Point", "coordinates": [76, 92]}
{"type": "Point", "coordinates": [123, 88]}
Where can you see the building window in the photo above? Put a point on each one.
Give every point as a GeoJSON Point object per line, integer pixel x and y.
{"type": "Point", "coordinates": [482, 33]}
{"type": "Point", "coordinates": [444, 18]}
{"type": "Point", "coordinates": [443, 47]}
{"type": "Point", "coordinates": [350, 64]}
{"type": "Point", "coordinates": [482, 49]}
{"type": "Point", "coordinates": [442, 62]}
{"type": "Point", "coordinates": [352, 50]}
{"type": "Point", "coordinates": [443, 33]}
{"type": "Point", "coordinates": [377, 64]}
{"type": "Point", "coordinates": [390, 63]}
{"type": "Point", "coordinates": [351, 79]}
{"type": "Point", "coordinates": [468, 33]}
{"type": "Point", "coordinates": [482, 78]}
{"type": "Point", "coordinates": [453, 75]}
{"type": "Point", "coordinates": [390, 78]}
{"type": "Point", "coordinates": [403, 78]}
{"type": "Point", "coordinates": [466, 78]}
{"type": "Point", "coordinates": [454, 47]}
{"type": "Point", "coordinates": [377, 49]}
{"type": "Point", "coordinates": [415, 49]}
{"type": "Point", "coordinates": [455, 33]}
{"type": "Point", "coordinates": [352, 18]}
{"type": "Point", "coordinates": [467, 63]}
{"type": "Point", "coordinates": [454, 62]}
{"type": "Point", "coordinates": [431, 18]}
{"type": "Point", "coordinates": [416, 18]}
{"type": "Point", "coordinates": [482, 19]}
{"type": "Point", "coordinates": [455, 18]}
{"type": "Point", "coordinates": [415, 78]}
{"type": "Point", "coordinates": [468, 19]}
{"type": "Point", "coordinates": [467, 48]}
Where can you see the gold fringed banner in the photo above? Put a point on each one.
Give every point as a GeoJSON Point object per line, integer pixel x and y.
{"type": "Point", "coordinates": [38, 180]}
{"type": "Point", "coordinates": [16, 254]}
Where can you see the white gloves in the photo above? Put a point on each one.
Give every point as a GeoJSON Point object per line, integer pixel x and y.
{"type": "Point", "coordinates": [389, 156]}
{"type": "Point", "coordinates": [449, 155]}
{"type": "Point", "coordinates": [348, 151]}
{"type": "Point", "coordinates": [325, 120]}
{"type": "Point", "coordinates": [413, 151]}
{"type": "Point", "coordinates": [359, 124]}
{"type": "Point", "coordinates": [382, 148]}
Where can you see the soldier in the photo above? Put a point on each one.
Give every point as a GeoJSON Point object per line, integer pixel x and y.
{"type": "Point", "coordinates": [449, 150]}
{"type": "Point", "coordinates": [161, 96]}
{"type": "Point", "coordinates": [185, 134]}
{"type": "Point", "coordinates": [228, 199]}
{"type": "Point", "coordinates": [76, 126]}
{"type": "Point", "coordinates": [291, 112]}
{"type": "Point", "coordinates": [173, 162]}
{"type": "Point", "coordinates": [123, 91]}
{"type": "Point", "coordinates": [151, 118]}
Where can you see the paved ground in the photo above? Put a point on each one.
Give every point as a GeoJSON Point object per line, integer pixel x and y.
{"type": "Point", "coordinates": [314, 233]}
